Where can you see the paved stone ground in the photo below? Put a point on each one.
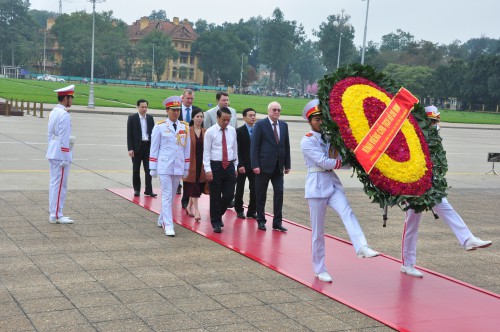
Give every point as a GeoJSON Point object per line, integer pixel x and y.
{"type": "Point", "coordinates": [114, 270]}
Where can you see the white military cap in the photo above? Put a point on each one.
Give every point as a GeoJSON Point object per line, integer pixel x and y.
{"type": "Point", "coordinates": [172, 102]}
{"type": "Point", "coordinates": [66, 91]}
{"type": "Point", "coordinates": [311, 108]}
{"type": "Point", "coordinates": [433, 113]}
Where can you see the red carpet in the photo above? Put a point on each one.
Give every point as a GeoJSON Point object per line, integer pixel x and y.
{"type": "Point", "coordinates": [433, 303]}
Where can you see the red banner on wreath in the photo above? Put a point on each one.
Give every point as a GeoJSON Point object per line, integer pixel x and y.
{"type": "Point", "coordinates": [383, 131]}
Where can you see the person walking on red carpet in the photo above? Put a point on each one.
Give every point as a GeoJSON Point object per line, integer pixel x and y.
{"type": "Point", "coordinates": [446, 212]}
{"type": "Point", "coordinates": [169, 158]}
{"type": "Point", "coordinates": [270, 159]}
{"type": "Point", "coordinates": [322, 189]}
{"type": "Point", "coordinates": [220, 157]}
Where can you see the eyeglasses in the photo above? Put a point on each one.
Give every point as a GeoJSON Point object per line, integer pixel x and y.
{"type": "Point", "coordinates": [275, 109]}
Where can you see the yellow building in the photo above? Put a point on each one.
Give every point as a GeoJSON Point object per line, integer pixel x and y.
{"type": "Point", "coordinates": [185, 68]}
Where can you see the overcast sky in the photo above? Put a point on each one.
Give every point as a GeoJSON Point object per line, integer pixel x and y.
{"type": "Point", "coordinates": [438, 21]}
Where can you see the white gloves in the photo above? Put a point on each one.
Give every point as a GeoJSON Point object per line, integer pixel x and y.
{"type": "Point", "coordinates": [153, 173]}
{"type": "Point", "coordinates": [64, 163]}
{"type": "Point", "coordinates": [185, 173]}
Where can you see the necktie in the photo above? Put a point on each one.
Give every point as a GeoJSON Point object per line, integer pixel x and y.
{"type": "Point", "coordinates": [188, 114]}
{"type": "Point", "coordinates": [175, 126]}
{"type": "Point", "coordinates": [225, 162]}
{"type": "Point", "coordinates": [251, 132]}
{"type": "Point", "coordinates": [275, 124]}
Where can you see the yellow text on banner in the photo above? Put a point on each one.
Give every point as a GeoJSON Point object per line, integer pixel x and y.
{"type": "Point", "coordinates": [383, 131]}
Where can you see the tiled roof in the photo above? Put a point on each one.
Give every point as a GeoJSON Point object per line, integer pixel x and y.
{"type": "Point", "coordinates": [183, 30]}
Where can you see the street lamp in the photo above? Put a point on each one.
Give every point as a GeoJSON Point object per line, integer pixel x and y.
{"type": "Point", "coordinates": [91, 88]}
{"type": "Point", "coordinates": [341, 23]}
{"type": "Point", "coordinates": [153, 66]}
{"type": "Point", "coordinates": [364, 36]}
{"type": "Point", "coordinates": [241, 72]}
{"type": "Point", "coordinates": [44, 49]}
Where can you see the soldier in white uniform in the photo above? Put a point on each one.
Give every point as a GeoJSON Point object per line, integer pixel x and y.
{"type": "Point", "coordinates": [446, 212]}
{"type": "Point", "coordinates": [59, 154]}
{"type": "Point", "coordinates": [169, 158]}
{"type": "Point", "coordinates": [322, 189]}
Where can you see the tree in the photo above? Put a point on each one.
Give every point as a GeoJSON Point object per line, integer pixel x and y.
{"type": "Point", "coordinates": [40, 17]}
{"type": "Point", "coordinates": [74, 36]}
{"type": "Point", "coordinates": [278, 43]}
{"type": "Point", "coordinates": [423, 53]}
{"type": "Point", "coordinates": [129, 58]}
{"type": "Point", "coordinates": [17, 32]}
{"type": "Point", "coordinates": [250, 33]}
{"type": "Point", "coordinates": [398, 41]}
{"type": "Point", "coordinates": [220, 55]}
{"type": "Point", "coordinates": [482, 81]}
{"type": "Point", "coordinates": [160, 15]}
{"type": "Point", "coordinates": [163, 51]}
{"type": "Point", "coordinates": [417, 79]}
{"type": "Point", "coordinates": [448, 80]}
{"type": "Point", "coordinates": [201, 26]}
{"type": "Point", "coordinates": [477, 47]}
{"type": "Point", "coordinates": [371, 53]}
{"type": "Point", "coordinates": [328, 43]}
{"type": "Point", "coordinates": [307, 64]}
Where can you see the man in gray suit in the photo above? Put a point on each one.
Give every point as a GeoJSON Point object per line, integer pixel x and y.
{"type": "Point", "coordinates": [211, 114]}
{"type": "Point", "coordinates": [270, 157]}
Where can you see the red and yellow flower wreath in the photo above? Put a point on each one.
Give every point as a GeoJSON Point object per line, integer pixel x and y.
{"type": "Point", "coordinates": [405, 168]}
{"type": "Point", "coordinates": [411, 171]}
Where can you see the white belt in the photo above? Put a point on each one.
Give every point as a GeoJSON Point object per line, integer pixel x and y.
{"type": "Point", "coordinates": [55, 137]}
{"type": "Point", "coordinates": [317, 170]}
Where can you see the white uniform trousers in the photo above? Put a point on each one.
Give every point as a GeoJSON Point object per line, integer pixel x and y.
{"type": "Point", "coordinates": [317, 211]}
{"type": "Point", "coordinates": [57, 188]}
{"type": "Point", "coordinates": [410, 233]}
{"type": "Point", "coordinates": [168, 185]}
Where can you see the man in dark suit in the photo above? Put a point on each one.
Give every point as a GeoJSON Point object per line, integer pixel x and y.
{"type": "Point", "coordinates": [139, 128]}
{"type": "Point", "coordinates": [186, 111]}
{"type": "Point", "coordinates": [270, 155]}
{"type": "Point", "coordinates": [243, 137]}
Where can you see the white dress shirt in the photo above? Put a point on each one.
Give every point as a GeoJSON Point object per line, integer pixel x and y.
{"type": "Point", "coordinates": [144, 127]}
{"type": "Point", "coordinates": [212, 146]}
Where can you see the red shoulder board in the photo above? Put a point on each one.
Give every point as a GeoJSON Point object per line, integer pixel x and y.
{"type": "Point", "coordinates": [309, 134]}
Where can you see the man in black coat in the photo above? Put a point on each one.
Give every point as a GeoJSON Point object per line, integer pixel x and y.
{"type": "Point", "coordinates": [244, 137]}
{"type": "Point", "coordinates": [186, 111]}
{"type": "Point", "coordinates": [139, 128]}
{"type": "Point", "coordinates": [270, 154]}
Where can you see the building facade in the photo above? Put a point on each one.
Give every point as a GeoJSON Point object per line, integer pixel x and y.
{"type": "Point", "coordinates": [185, 68]}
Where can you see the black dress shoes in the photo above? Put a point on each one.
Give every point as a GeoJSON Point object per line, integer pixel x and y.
{"type": "Point", "coordinates": [231, 204]}
{"type": "Point", "coordinates": [151, 194]}
{"type": "Point", "coordinates": [217, 229]}
{"type": "Point", "coordinates": [253, 216]}
{"type": "Point", "coordinates": [262, 226]}
{"type": "Point", "coordinates": [280, 228]}
{"type": "Point", "coordinates": [179, 188]}
{"type": "Point", "coordinates": [136, 193]}
{"type": "Point", "coordinates": [241, 215]}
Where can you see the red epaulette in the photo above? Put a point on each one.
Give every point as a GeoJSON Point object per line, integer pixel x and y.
{"type": "Point", "coordinates": [309, 134]}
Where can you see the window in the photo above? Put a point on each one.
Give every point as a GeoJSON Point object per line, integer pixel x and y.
{"type": "Point", "coordinates": [183, 57]}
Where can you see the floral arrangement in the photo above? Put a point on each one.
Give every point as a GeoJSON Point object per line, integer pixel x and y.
{"type": "Point", "coordinates": [411, 172]}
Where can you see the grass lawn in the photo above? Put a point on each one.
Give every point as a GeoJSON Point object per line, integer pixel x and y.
{"type": "Point", "coordinates": [126, 96]}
